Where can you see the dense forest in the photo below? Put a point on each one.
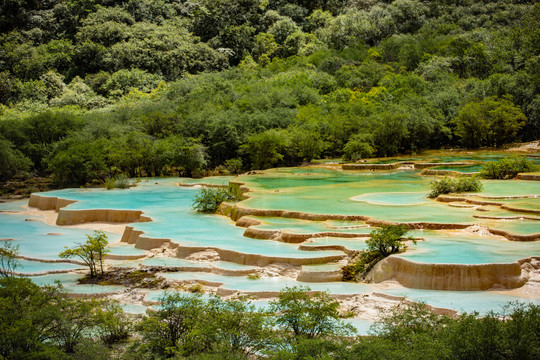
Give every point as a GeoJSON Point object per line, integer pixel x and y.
{"type": "Point", "coordinates": [95, 89]}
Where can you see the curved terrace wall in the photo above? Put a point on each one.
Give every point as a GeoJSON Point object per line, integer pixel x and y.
{"type": "Point", "coordinates": [409, 273]}
{"type": "Point", "coordinates": [391, 166]}
{"type": "Point", "coordinates": [256, 259]}
{"type": "Point", "coordinates": [236, 212]}
{"type": "Point", "coordinates": [459, 277]}
{"type": "Point", "coordinates": [48, 203]}
{"type": "Point", "coordinates": [74, 217]}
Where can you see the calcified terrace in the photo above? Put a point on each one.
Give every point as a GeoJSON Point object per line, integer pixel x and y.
{"type": "Point", "coordinates": [304, 222]}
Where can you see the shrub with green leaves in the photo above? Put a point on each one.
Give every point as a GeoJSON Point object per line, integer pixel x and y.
{"type": "Point", "coordinates": [208, 200]}
{"type": "Point", "coordinates": [449, 185]}
{"type": "Point", "coordinates": [386, 240]}
{"type": "Point", "coordinates": [119, 182]}
{"type": "Point", "coordinates": [383, 241]}
{"type": "Point", "coordinates": [507, 168]}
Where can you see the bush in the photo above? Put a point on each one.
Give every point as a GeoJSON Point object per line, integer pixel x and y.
{"type": "Point", "coordinates": [119, 182]}
{"type": "Point", "coordinates": [507, 168]}
{"type": "Point", "coordinates": [382, 242]}
{"type": "Point", "coordinates": [113, 325]}
{"type": "Point", "coordinates": [359, 264]}
{"type": "Point", "coordinates": [234, 166]}
{"type": "Point", "coordinates": [448, 185]}
{"type": "Point", "coordinates": [387, 239]}
{"type": "Point", "coordinates": [208, 200]}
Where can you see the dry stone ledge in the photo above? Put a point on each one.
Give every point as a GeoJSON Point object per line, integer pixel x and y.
{"type": "Point", "coordinates": [456, 277]}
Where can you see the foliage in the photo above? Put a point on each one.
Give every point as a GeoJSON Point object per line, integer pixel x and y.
{"type": "Point", "coordinates": [359, 264]}
{"type": "Point", "coordinates": [387, 239]}
{"type": "Point", "coordinates": [120, 182]}
{"type": "Point", "coordinates": [506, 168]}
{"type": "Point", "coordinates": [13, 161]}
{"type": "Point", "coordinates": [186, 325]}
{"type": "Point", "coordinates": [8, 258]}
{"type": "Point", "coordinates": [93, 89]}
{"type": "Point", "coordinates": [305, 316]}
{"type": "Point", "coordinates": [46, 323]}
{"type": "Point", "coordinates": [489, 122]}
{"type": "Point", "coordinates": [358, 147]}
{"type": "Point", "coordinates": [112, 323]}
{"type": "Point", "coordinates": [91, 252]}
{"type": "Point", "coordinates": [449, 185]}
{"type": "Point", "coordinates": [207, 200]}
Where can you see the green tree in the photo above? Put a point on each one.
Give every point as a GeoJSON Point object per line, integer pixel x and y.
{"type": "Point", "coordinates": [112, 324]}
{"type": "Point", "coordinates": [305, 316]}
{"type": "Point", "coordinates": [166, 330]}
{"type": "Point", "coordinates": [8, 258]}
{"type": "Point", "coordinates": [359, 146]}
{"type": "Point", "coordinates": [13, 161]}
{"type": "Point", "coordinates": [38, 322]}
{"type": "Point", "coordinates": [489, 122]}
{"type": "Point", "coordinates": [387, 239]}
{"type": "Point", "coordinates": [207, 200]}
{"type": "Point", "coordinates": [91, 252]}
{"type": "Point", "coordinates": [77, 161]}
{"type": "Point", "coordinates": [507, 168]}
{"type": "Point", "coordinates": [265, 149]}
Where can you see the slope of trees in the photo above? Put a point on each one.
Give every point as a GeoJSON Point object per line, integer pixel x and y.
{"type": "Point", "coordinates": [93, 89]}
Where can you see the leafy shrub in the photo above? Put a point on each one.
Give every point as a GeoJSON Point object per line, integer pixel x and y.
{"type": "Point", "coordinates": [507, 168]}
{"type": "Point", "coordinates": [386, 240]}
{"type": "Point", "coordinates": [448, 185]}
{"type": "Point", "coordinates": [113, 325]}
{"type": "Point", "coordinates": [382, 242]}
{"type": "Point", "coordinates": [208, 200]}
{"type": "Point", "coordinates": [234, 166]}
{"type": "Point", "coordinates": [359, 147]}
{"type": "Point", "coordinates": [119, 182]}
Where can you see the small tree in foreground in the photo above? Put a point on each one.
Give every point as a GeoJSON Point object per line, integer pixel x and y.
{"type": "Point", "coordinates": [91, 252]}
{"type": "Point", "coordinates": [308, 317]}
{"type": "Point", "coordinates": [8, 259]}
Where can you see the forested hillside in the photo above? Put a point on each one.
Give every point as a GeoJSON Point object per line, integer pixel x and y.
{"type": "Point", "coordinates": [92, 89]}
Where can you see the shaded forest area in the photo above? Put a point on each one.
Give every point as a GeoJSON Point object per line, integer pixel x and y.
{"type": "Point", "coordinates": [95, 89]}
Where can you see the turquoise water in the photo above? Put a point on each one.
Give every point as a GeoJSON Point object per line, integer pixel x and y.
{"type": "Point", "coordinates": [460, 168]}
{"type": "Point", "coordinates": [351, 243]}
{"type": "Point", "coordinates": [463, 301]}
{"type": "Point", "coordinates": [393, 196]}
{"type": "Point", "coordinates": [243, 283]}
{"type": "Point", "coordinates": [164, 261]}
{"type": "Point", "coordinates": [134, 309]}
{"type": "Point", "coordinates": [465, 248]}
{"type": "Point", "coordinates": [16, 205]}
{"type": "Point", "coordinates": [124, 249]}
{"type": "Point", "coordinates": [226, 265]}
{"type": "Point", "coordinates": [298, 226]}
{"type": "Point", "coordinates": [33, 236]}
{"type": "Point", "coordinates": [32, 267]}
{"type": "Point", "coordinates": [69, 282]}
{"type": "Point", "coordinates": [213, 180]}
